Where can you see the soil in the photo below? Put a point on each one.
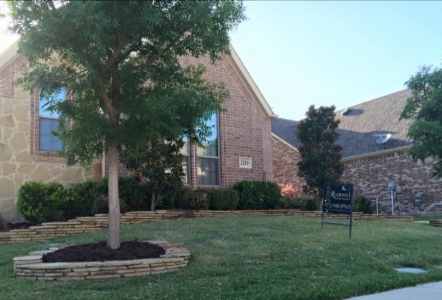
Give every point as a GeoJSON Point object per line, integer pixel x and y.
{"type": "Point", "coordinates": [19, 225]}
{"type": "Point", "coordinates": [100, 252]}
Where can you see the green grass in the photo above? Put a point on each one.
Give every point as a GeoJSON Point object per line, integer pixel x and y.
{"type": "Point", "coordinates": [254, 258]}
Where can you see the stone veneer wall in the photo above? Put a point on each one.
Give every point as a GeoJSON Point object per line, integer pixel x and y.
{"type": "Point", "coordinates": [31, 267]}
{"type": "Point", "coordinates": [371, 174]}
{"type": "Point", "coordinates": [285, 159]}
{"type": "Point", "coordinates": [20, 159]}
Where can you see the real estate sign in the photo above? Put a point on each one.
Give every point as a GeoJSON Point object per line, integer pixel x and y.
{"type": "Point", "coordinates": [338, 198]}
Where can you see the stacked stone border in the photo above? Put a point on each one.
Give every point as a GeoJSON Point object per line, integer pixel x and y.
{"type": "Point", "coordinates": [48, 231]}
{"type": "Point", "coordinates": [31, 267]}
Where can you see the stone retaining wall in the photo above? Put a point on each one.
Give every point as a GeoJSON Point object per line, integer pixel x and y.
{"type": "Point", "coordinates": [48, 231]}
{"type": "Point", "coordinates": [31, 267]}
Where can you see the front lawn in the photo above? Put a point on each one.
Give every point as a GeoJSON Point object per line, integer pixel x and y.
{"type": "Point", "coordinates": [254, 258]}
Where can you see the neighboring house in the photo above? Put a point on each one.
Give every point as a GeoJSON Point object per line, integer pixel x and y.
{"type": "Point", "coordinates": [28, 149]}
{"type": "Point", "coordinates": [370, 165]}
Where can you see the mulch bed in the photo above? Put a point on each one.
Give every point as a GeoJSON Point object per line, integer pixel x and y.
{"type": "Point", "coordinates": [18, 225]}
{"type": "Point", "coordinates": [100, 252]}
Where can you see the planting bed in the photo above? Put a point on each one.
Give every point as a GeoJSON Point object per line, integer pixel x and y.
{"type": "Point", "coordinates": [32, 266]}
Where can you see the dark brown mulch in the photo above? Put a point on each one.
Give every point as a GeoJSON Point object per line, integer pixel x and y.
{"type": "Point", "coordinates": [100, 252]}
{"type": "Point", "coordinates": [18, 225]}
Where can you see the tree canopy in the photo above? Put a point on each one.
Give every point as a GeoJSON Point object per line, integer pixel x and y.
{"type": "Point", "coordinates": [320, 154]}
{"type": "Point", "coordinates": [424, 108]}
{"type": "Point", "coordinates": [119, 60]}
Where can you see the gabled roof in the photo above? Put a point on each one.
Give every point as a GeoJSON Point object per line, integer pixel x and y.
{"type": "Point", "coordinates": [358, 128]}
{"type": "Point", "coordinates": [11, 53]}
{"type": "Point", "coordinates": [248, 82]}
{"type": "Point", "coordinates": [8, 55]}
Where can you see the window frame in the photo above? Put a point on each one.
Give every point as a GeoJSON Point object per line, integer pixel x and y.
{"type": "Point", "coordinates": [39, 116]}
{"type": "Point", "coordinates": [217, 158]}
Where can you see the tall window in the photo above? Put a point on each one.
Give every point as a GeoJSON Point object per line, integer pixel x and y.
{"type": "Point", "coordinates": [207, 161]}
{"type": "Point", "coordinates": [185, 162]}
{"type": "Point", "coordinates": [48, 122]}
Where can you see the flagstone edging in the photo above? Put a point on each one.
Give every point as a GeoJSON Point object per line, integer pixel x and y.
{"type": "Point", "coordinates": [31, 267]}
{"type": "Point", "coordinates": [48, 231]}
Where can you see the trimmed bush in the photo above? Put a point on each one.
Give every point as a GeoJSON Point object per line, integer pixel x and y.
{"type": "Point", "coordinates": [130, 192]}
{"type": "Point", "coordinates": [222, 199]}
{"type": "Point", "coordinates": [362, 204]}
{"type": "Point", "coordinates": [37, 201]}
{"type": "Point", "coordinates": [309, 204]}
{"type": "Point", "coordinates": [287, 202]}
{"type": "Point", "coordinates": [194, 199]}
{"type": "Point", "coordinates": [2, 224]}
{"type": "Point", "coordinates": [78, 199]}
{"type": "Point", "coordinates": [257, 194]}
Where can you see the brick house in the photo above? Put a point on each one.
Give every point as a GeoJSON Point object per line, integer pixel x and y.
{"type": "Point", "coordinates": [369, 165]}
{"type": "Point", "coordinates": [240, 148]}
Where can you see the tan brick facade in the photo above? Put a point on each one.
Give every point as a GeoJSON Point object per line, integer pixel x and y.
{"type": "Point", "coordinates": [285, 158]}
{"type": "Point", "coordinates": [244, 131]}
{"type": "Point", "coordinates": [370, 176]}
{"type": "Point", "coordinates": [20, 159]}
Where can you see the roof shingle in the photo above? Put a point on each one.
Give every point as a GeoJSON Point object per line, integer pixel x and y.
{"type": "Point", "coordinates": [358, 128]}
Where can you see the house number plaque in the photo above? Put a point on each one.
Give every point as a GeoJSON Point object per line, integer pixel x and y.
{"type": "Point", "coordinates": [245, 162]}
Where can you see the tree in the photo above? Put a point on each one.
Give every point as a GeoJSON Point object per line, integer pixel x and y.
{"type": "Point", "coordinates": [320, 155]}
{"type": "Point", "coordinates": [158, 164]}
{"type": "Point", "coordinates": [119, 62]}
{"type": "Point", "coordinates": [424, 107]}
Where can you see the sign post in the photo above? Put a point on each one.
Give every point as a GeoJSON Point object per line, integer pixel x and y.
{"type": "Point", "coordinates": [338, 199]}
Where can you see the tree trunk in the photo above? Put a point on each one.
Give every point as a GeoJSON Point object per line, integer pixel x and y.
{"type": "Point", "coordinates": [113, 227]}
{"type": "Point", "coordinates": [152, 205]}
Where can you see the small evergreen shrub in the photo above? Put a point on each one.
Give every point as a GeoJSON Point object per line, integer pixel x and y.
{"type": "Point", "coordinates": [287, 202]}
{"type": "Point", "coordinates": [257, 194]}
{"type": "Point", "coordinates": [37, 201]}
{"type": "Point", "coordinates": [2, 224]}
{"type": "Point", "coordinates": [194, 200]}
{"type": "Point", "coordinates": [309, 204]}
{"type": "Point", "coordinates": [222, 199]}
{"type": "Point", "coordinates": [101, 206]}
{"type": "Point", "coordinates": [130, 193]}
{"type": "Point", "coordinates": [78, 199]}
{"type": "Point", "coordinates": [362, 204]}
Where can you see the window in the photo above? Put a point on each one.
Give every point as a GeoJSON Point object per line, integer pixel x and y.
{"type": "Point", "coordinates": [207, 161]}
{"type": "Point", "coordinates": [48, 122]}
{"type": "Point", "coordinates": [185, 150]}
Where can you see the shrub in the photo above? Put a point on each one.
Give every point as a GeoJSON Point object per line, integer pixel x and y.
{"type": "Point", "coordinates": [37, 201]}
{"type": "Point", "coordinates": [130, 192]}
{"type": "Point", "coordinates": [79, 199]}
{"type": "Point", "coordinates": [194, 199]}
{"type": "Point", "coordinates": [257, 194]}
{"type": "Point", "coordinates": [362, 204]}
{"type": "Point", "coordinates": [2, 224]}
{"type": "Point", "coordinates": [101, 205]}
{"type": "Point", "coordinates": [222, 199]}
{"type": "Point", "coordinates": [287, 202]}
{"type": "Point", "coordinates": [171, 199]}
{"type": "Point", "coordinates": [309, 204]}
{"type": "Point", "coordinates": [288, 190]}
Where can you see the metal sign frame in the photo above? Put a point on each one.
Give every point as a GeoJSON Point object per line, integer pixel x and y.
{"type": "Point", "coordinates": [338, 199]}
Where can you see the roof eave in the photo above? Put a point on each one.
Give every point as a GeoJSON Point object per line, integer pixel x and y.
{"type": "Point", "coordinates": [250, 84]}
{"type": "Point", "coordinates": [8, 55]}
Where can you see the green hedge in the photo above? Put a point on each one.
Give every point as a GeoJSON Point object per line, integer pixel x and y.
{"type": "Point", "coordinates": [37, 201]}
{"type": "Point", "coordinates": [223, 199]}
{"type": "Point", "coordinates": [257, 194]}
{"type": "Point", "coordinates": [362, 204]}
{"type": "Point", "coordinates": [194, 200]}
{"type": "Point", "coordinates": [288, 202]}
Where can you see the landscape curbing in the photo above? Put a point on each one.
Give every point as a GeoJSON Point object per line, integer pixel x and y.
{"type": "Point", "coordinates": [48, 231]}
{"type": "Point", "coordinates": [32, 267]}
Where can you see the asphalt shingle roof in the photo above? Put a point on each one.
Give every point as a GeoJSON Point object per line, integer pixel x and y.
{"type": "Point", "coordinates": [358, 129]}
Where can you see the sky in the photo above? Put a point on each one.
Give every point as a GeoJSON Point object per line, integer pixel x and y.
{"type": "Point", "coordinates": [339, 53]}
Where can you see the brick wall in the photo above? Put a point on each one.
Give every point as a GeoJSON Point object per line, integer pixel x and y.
{"type": "Point", "coordinates": [371, 175]}
{"type": "Point", "coordinates": [284, 160]}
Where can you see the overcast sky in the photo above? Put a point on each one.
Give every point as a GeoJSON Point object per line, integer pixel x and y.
{"type": "Point", "coordinates": [342, 53]}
